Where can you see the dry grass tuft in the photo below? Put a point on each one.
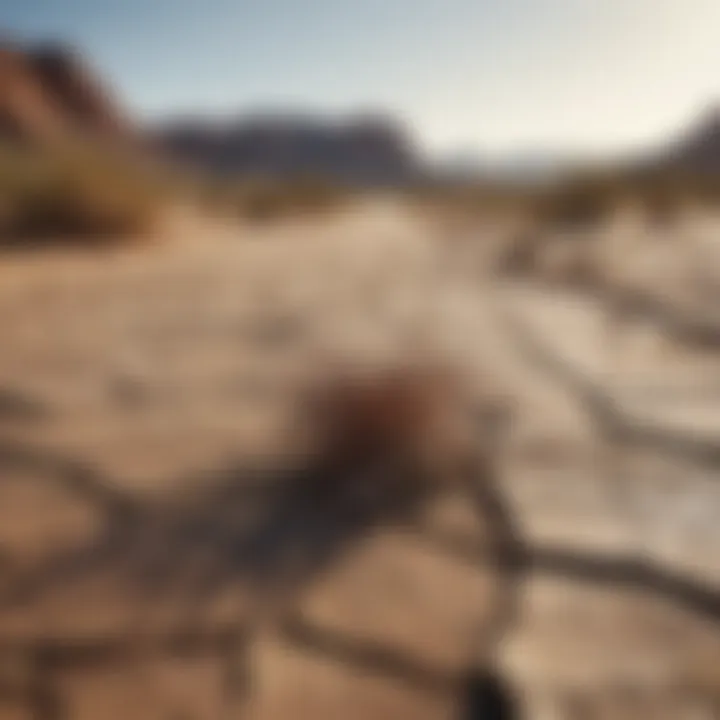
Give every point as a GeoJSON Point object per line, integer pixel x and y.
{"type": "Point", "coordinates": [419, 425]}
{"type": "Point", "coordinates": [380, 414]}
{"type": "Point", "coordinates": [577, 204]}
{"type": "Point", "coordinates": [263, 201]}
{"type": "Point", "coordinates": [73, 194]}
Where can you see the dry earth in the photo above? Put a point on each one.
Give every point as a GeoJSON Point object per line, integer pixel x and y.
{"type": "Point", "coordinates": [160, 376]}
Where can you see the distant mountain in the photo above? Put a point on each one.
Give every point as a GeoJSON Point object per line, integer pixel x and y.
{"type": "Point", "coordinates": [695, 151]}
{"type": "Point", "coordinates": [48, 94]}
{"type": "Point", "coordinates": [700, 148]}
{"type": "Point", "coordinates": [365, 150]}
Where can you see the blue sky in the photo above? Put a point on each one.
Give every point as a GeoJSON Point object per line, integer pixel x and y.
{"type": "Point", "coordinates": [492, 76]}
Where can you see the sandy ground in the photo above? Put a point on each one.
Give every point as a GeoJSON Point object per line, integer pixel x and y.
{"type": "Point", "coordinates": [157, 372]}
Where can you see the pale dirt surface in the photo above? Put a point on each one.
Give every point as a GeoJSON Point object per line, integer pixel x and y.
{"type": "Point", "coordinates": [162, 371]}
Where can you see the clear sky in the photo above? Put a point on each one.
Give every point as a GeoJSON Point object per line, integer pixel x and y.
{"type": "Point", "coordinates": [488, 75]}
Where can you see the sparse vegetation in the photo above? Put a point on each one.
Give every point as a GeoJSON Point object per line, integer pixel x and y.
{"type": "Point", "coordinates": [663, 196]}
{"type": "Point", "coordinates": [470, 201]}
{"type": "Point", "coordinates": [73, 194]}
{"type": "Point", "coordinates": [268, 200]}
{"type": "Point", "coordinates": [579, 203]}
{"type": "Point", "coordinates": [564, 234]}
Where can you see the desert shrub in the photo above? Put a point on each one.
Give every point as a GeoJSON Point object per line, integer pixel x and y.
{"type": "Point", "coordinates": [665, 194]}
{"type": "Point", "coordinates": [662, 205]}
{"type": "Point", "coordinates": [412, 426]}
{"type": "Point", "coordinates": [470, 201]}
{"type": "Point", "coordinates": [383, 413]}
{"type": "Point", "coordinates": [73, 193]}
{"type": "Point", "coordinates": [267, 200]}
{"type": "Point", "coordinates": [587, 200]}
{"type": "Point", "coordinates": [578, 203]}
{"type": "Point", "coordinates": [519, 255]}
